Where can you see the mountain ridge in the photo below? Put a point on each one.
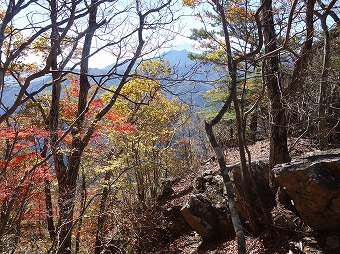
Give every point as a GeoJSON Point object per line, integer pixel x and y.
{"type": "Point", "coordinates": [188, 90]}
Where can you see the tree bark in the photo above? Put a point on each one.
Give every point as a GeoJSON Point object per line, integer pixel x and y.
{"type": "Point", "coordinates": [301, 64]}
{"type": "Point", "coordinates": [67, 176]}
{"type": "Point", "coordinates": [101, 216]}
{"type": "Point", "coordinates": [247, 183]}
{"type": "Point", "coordinates": [253, 127]}
{"type": "Point", "coordinates": [334, 16]}
{"type": "Point", "coordinates": [241, 240]}
{"type": "Point", "coordinates": [232, 70]}
{"type": "Point", "coordinates": [66, 204]}
{"type": "Point", "coordinates": [324, 88]}
{"type": "Point", "coordinates": [278, 129]}
{"type": "Point", "coordinates": [83, 204]}
{"type": "Point", "coordinates": [49, 210]}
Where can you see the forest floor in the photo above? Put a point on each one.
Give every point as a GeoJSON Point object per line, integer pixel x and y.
{"type": "Point", "coordinates": [273, 241]}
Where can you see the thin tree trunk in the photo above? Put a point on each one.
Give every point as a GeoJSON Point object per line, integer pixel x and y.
{"type": "Point", "coordinates": [48, 198]}
{"type": "Point", "coordinates": [49, 210]}
{"type": "Point", "coordinates": [82, 204]}
{"type": "Point", "coordinates": [334, 16]}
{"type": "Point", "coordinates": [278, 129]}
{"type": "Point", "coordinates": [246, 184]}
{"type": "Point", "coordinates": [67, 179]}
{"type": "Point", "coordinates": [241, 240]}
{"type": "Point", "coordinates": [324, 88]}
{"type": "Point", "coordinates": [253, 127]}
{"type": "Point", "coordinates": [67, 192]}
{"type": "Point", "coordinates": [101, 217]}
{"type": "Point", "coordinates": [232, 69]}
{"type": "Point", "coordinates": [301, 64]}
{"type": "Point", "coordinates": [19, 218]}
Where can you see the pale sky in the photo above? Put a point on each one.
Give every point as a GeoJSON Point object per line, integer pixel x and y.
{"type": "Point", "coordinates": [103, 59]}
{"type": "Point", "coordinates": [181, 42]}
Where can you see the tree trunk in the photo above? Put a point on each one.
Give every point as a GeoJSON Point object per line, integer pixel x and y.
{"type": "Point", "coordinates": [49, 210]}
{"type": "Point", "coordinates": [18, 217]}
{"type": "Point", "coordinates": [278, 130]}
{"type": "Point", "coordinates": [66, 210]}
{"type": "Point", "coordinates": [82, 204]}
{"type": "Point", "coordinates": [301, 64]}
{"type": "Point", "coordinates": [247, 183]}
{"type": "Point", "coordinates": [67, 176]}
{"type": "Point", "coordinates": [324, 88]}
{"type": "Point", "coordinates": [253, 127]}
{"type": "Point", "coordinates": [241, 241]}
{"type": "Point", "coordinates": [48, 197]}
{"type": "Point", "coordinates": [101, 217]}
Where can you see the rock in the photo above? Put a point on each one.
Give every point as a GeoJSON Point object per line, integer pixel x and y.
{"type": "Point", "coordinates": [206, 179]}
{"type": "Point", "coordinates": [177, 225]}
{"type": "Point", "coordinates": [313, 183]}
{"type": "Point", "coordinates": [208, 217]}
{"type": "Point", "coordinates": [207, 210]}
{"type": "Point", "coordinates": [199, 184]}
{"type": "Point", "coordinates": [260, 170]}
{"type": "Point", "coordinates": [287, 220]}
{"type": "Point", "coordinates": [295, 248]}
{"type": "Point", "coordinates": [165, 188]}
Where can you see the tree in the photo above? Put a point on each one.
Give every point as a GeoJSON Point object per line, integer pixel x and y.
{"type": "Point", "coordinates": [62, 36]}
{"type": "Point", "coordinates": [324, 87]}
{"type": "Point", "coordinates": [21, 191]}
{"type": "Point", "coordinates": [258, 34]}
{"type": "Point", "coordinates": [272, 80]}
{"type": "Point", "coordinates": [139, 157]}
{"type": "Point", "coordinates": [232, 64]}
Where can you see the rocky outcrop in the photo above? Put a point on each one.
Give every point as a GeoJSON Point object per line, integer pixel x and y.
{"type": "Point", "coordinates": [260, 170]}
{"type": "Point", "coordinates": [166, 188]}
{"type": "Point", "coordinates": [206, 211]}
{"type": "Point", "coordinates": [176, 223]}
{"type": "Point", "coordinates": [313, 183]}
{"type": "Point", "coordinates": [208, 219]}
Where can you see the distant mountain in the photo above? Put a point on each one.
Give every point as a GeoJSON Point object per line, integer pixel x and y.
{"type": "Point", "coordinates": [174, 56]}
{"type": "Point", "coordinates": [178, 58]}
{"type": "Point", "coordinates": [12, 89]}
{"type": "Point", "coordinates": [189, 80]}
{"type": "Point", "coordinates": [197, 78]}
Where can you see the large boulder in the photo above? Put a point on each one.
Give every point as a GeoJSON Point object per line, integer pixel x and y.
{"type": "Point", "coordinates": [209, 220]}
{"type": "Point", "coordinates": [313, 183]}
{"type": "Point", "coordinates": [166, 188]}
{"type": "Point", "coordinates": [206, 211]}
{"type": "Point", "coordinates": [176, 223]}
{"type": "Point", "coordinates": [260, 171]}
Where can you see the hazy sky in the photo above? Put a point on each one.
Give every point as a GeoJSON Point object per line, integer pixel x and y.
{"type": "Point", "coordinates": [181, 42]}
{"type": "Point", "coordinates": [103, 59]}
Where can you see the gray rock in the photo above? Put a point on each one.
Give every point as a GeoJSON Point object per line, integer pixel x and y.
{"type": "Point", "coordinates": [208, 217]}
{"type": "Point", "coordinates": [207, 211]}
{"type": "Point", "coordinates": [177, 225]}
{"type": "Point", "coordinates": [199, 184]}
{"type": "Point", "coordinates": [260, 170]}
{"type": "Point", "coordinates": [287, 220]}
{"type": "Point", "coordinates": [166, 188]}
{"type": "Point", "coordinates": [313, 183]}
